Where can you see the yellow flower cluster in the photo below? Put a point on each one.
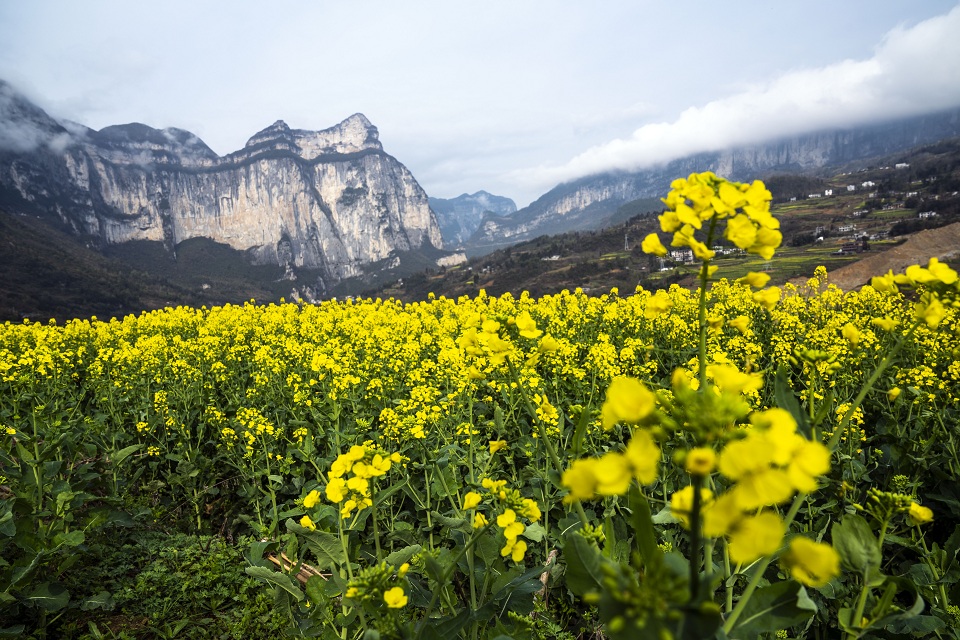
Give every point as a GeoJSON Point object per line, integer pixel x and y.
{"type": "Point", "coordinates": [511, 506]}
{"type": "Point", "coordinates": [705, 198]}
{"type": "Point", "coordinates": [765, 468]}
{"type": "Point", "coordinates": [351, 474]}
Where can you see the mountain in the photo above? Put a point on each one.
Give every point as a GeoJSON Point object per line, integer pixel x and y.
{"type": "Point", "coordinates": [592, 202]}
{"type": "Point", "coordinates": [331, 203]}
{"type": "Point", "coordinates": [460, 217]}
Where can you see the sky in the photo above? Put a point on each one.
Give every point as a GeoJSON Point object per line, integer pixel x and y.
{"type": "Point", "coordinates": [511, 97]}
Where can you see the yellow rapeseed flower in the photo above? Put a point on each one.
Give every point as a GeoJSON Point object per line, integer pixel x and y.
{"type": "Point", "coordinates": [311, 500]}
{"type": "Point", "coordinates": [700, 461]}
{"type": "Point", "coordinates": [732, 380]}
{"type": "Point", "coordinates": [850, 332]}
{"type": "Point", "coordinates": [642, 456]}
{"type": "Point", "coordinates": [756, 536]}
{"type": "Point", "coordinates": [919, 514]}
{"type": "Point", "coordinates": [497, 445]}
{"type": "Point", "coordinates": [652, 245]}
{"type": "Point", "coordinates": [756, 280]}
{"type": "Point", "coordinates": [395, 598]}
{"type": "Point", "coordinates": [527, 326]}
{"type": "Point", "coordinates": [307, 523]}
{"type": "Point", "coordinates": [681, 503]}
{"type": "Point", "coordinates": [812, 563]}
{"type": "Point", "coordinates": [627, 400]}
{"type": "Point", "coordinates": [767, 298]}
{"type": "Point", "coordinates": [471, 500]}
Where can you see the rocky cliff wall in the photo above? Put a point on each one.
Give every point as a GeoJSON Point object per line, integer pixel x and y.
{"type": "Point", "coordinates": [331, 200]}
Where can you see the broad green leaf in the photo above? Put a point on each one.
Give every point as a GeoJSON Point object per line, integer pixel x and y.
{"type": "Point", "coordinates": [124, 453]}
{"type": "Point", "coordinates": [103, 600]}
{"type": "Point", "coordinates": [49, 596]}
{"type": "Point", "coordinates": [786, 399]}
{"type": "Point", "coordinates": [12, 632]}
{"type": "Point", "coordinates": [779, 606]}
{"type": "Point", "coordinates": [279, 580]}
{"type": "Point", "coordinates": [7, 526]}
{"type": "Point", "coordinates": [315, 589]}
{"type": "Point", "coordinates": [400, 556]}
{"type": "Point", "coordinates": [444, 628]}
{"type": "Point", "coordinates": [326, 548]}
{"type": "Point", "coordinates": [583, 560]}
{"type": "Point", "coordinates": [73, 539]}
{"type": "Point", "coordinates": [454, 523]}
{"type": "Point", "coordinates": [643, 527]}
{"type": "Point", "coordinates": [859, 549]}
{"type": "Point", "coordinates": [534, 532]}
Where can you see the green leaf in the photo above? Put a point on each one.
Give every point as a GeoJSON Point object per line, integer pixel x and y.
{"type": "Point", "coordinates": [279, 580]}
{"type": "Point", "coordinates": [859, 549]}
{"type": "Point", "coordinates": [7, 526]}
{"type": "Point", "coordinates": [581, 430]}
{"type": "Point", "coordinates": [583, 564]}
{"type": "Point", "coordinates": [315, 589]}
{"type": "Point", "coordinates": [122, 455]}
{"type": "Point", "coordinates": [384, 494]}
{"type": "Point", "coordinates": [535, 532]}
{"type": "Point", "coordinates": [917, 626]}
{"type": "Point", "coordinates": [643, 527]}
{"type": "Point", "coordinates": [444, 628]}
{"type": "Point", "coordinates": [73, 539]}
{"type": "Point", "coordinates": [326, 548]}
{"type": "Point", "coordinates": [257, 549]}
{"type": "Point", "coordinates": [786, 399]}
{"type": "Point", "coordinates": [12, 632]}
{"type": "Point", "coordinates": [400, 556]}
{"type": "Point", "coordinates": [779, 606]}
{"type": "Point", "coordinates": [103, 600]}
{"type": "Point", "coordinates": [460, 524]}
{"type": "Point", "coordinates": [49, 596]}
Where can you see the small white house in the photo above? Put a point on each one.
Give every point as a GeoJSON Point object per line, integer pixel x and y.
{"type": "Point", "coordinates": [851, 187]}
{"type": "Point", "coordinates": [901, 165]}
{"type": "Point", "coordinates": [868, 184]}
{"type": "Point", "coordinates": [813, 195]}
{"type": "Point", "coordinates": [927, 214]}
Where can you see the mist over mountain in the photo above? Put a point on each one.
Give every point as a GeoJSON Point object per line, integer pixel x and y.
{"type": "Point", "coordinates": [589, 202]}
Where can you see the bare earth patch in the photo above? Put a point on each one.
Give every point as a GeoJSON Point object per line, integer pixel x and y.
{"type": "Point", "coordinates": [942, 243]}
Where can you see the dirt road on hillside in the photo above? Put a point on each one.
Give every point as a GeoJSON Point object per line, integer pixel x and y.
{"type": "Point", "coordinates": [942, 243]}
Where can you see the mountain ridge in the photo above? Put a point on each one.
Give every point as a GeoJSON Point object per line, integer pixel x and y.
{"type": "Point", "coordinates": [590, 202]}
{"type": "Point", "coordinates": [331, 201]}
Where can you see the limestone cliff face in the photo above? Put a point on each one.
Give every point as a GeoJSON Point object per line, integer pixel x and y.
{"type": "Point", "coordinates": [331, 200]}
{"type": "Point", "coordinates": [460, 217]}
{"type": "Point", "coordinates": [588, 203]}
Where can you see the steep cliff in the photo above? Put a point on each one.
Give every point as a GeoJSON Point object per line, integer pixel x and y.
{"type": "Point", "coordinates": [460, 217]}
{"type": "Point", "coordinates": [331, 201]}
{"type": "Point", "coordinates": [588, 203]}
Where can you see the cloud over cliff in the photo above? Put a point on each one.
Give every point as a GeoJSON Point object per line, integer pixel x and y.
{"type": "Point", "coordinates": [912, 71]}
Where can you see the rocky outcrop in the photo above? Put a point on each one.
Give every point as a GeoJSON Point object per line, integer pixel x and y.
{"type": "Point", "coordinates": [460, 217]}
{"type": "Point", "coordinates": [328, 200]}
{"type": "Point", "coordinates": [589, 203]}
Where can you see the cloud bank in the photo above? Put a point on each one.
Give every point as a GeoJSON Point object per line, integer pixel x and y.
{"type": "Point", "coordinates": [913, 71]}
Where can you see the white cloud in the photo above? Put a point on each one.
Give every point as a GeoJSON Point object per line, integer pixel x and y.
{"type": "Point", "coordinates": [913, 71]}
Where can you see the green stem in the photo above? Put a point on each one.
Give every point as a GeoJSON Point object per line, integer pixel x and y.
{"type": "Point", "coordinates": [548, 445]}
{"type": "Point", "coordinates": [868, 386]}
{"type": "Point", "coordinates": [445, 576]}
{"type": "Point", "coordinates": [696, 540]}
